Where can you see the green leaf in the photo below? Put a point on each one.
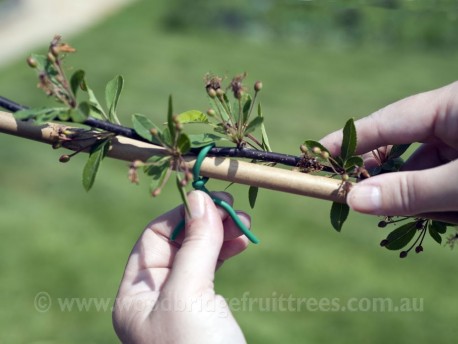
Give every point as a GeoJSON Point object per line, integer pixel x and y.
{"type": "Point", "coordinates": [192, 116]}
{"type": "Point", "coordinates": [438, 226]}
{"type": "Point", "coordinates": [182, 191]}
{"type": "Point", "coordinates": [89, 110]}
{"type": "Point", "coordinates": [112, 93]}
{"type": "Point", "coordinates": [435, 235]}
{"type": "Point", "coordinates": [142, 126]}
{"type": "Point", "coordinates": [41, 115]}
{"type": "Point", "coordinates": [220, 129]}
{"type": "Point", "coordinates": [48, 117]}
{"type": "Point", "coordinates": [98, 152]}
{"type": "Point", "coordinates": [246, 109]}
{"type": "Point", "coordinates": [397, 150]}
{"type": "Point", "coordinates": [166, 137]}
{"type": "Point", "coordinates": [201, 140]}
{"type": "Point", "coordinates": [253, 125]}
{"type": "Point", "coordinates": [353, 161]}
{"type": "Point", "coordinates": [95, 104]}
{"type": "Point", "coordinates": [159, 168]}
{"type": "Point", "coordinates": [170, 123]}
{"type": "Point", "coordinates": [77, 115]}
{"type": "Point", "coordinates": [228, 105]}
{"type": "Point", "coordinates": [184, 143]}
{"type": "Point", "coordinates": [222, 107]}
{"type": "Point", "coordinates": [156, 164]}
{"type": "Point", "coordinates": [349, 140]}
{"type": "Point", "coordinates": [65, 116]}
{"type": "Point", "coordinates": [339, 213]}
{"type": "Point", "coordinates": [401, 236]}
{"type": "Point", "coordinates": [85, 108]}
{"type": "Point", "coordinates": [265, 139]}
{"type": "Point", "coordinates": [76, 80]}
{"type": "Point", "coordinates": [253, 195]}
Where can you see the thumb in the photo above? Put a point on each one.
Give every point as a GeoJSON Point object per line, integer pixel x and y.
{"type": "Point", "coordinates": [195, 262]}
{"type": "Point", "coordinates": [407, 193]}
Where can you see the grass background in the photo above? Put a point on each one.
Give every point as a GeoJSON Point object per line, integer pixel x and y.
{"type": "Point", "coordinates": [59, 239]}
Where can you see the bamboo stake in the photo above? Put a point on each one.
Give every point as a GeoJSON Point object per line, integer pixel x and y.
{"type": "Point", "coordinates": [231, 170]}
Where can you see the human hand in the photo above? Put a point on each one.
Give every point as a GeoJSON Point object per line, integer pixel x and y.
{"type": "Point", "coordinates": [167, 292]}
{"type": "Point", "coordinates": [428, 182]}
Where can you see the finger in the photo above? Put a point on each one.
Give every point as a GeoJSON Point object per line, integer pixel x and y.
{"type": "Point", "coordinates": [227, 197]}
{"type": "Point", "coordinates": [449, 217]}
{"type": "Point", "coordinates": [429, 156]}
{"type": "Point", "coordinates": [231, 230]}
{"type": "Point", "coordinates": [407, 193]}
{"type": "Point", "coordinates": [194, 265]}
{"type": "Point", "coordinates": [234, 240]}
{"type": "Point", "coordinates": [233, 247]}
{"type": "Point", "coordinates": [151, 257]}
{"type": "Point", "coordinates": [421, 118]}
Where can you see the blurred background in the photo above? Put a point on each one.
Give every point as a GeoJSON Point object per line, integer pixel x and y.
{"type": "Point", "coordinates": [321, 63]}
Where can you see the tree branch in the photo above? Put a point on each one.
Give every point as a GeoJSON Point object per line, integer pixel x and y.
{"type": "Point", "coordinates": [279, 158]}
{"type": "Point", "coordinates": [231, 170]}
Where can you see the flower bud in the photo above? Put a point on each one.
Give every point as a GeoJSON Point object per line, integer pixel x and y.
{"type": "Point", "coordinates": [316, 150]}
{"type": "Point", "coordinates": [384, 242]}
{"type": "Point", "coordinates": [156, 192]}
{"type": "Point", "coordinates": [211, 92]}
{"type": "Point", "coordinates": [403, 254]}
{"type": "Point", "coordinates": [303, 148]}
{"type": "Point", "coordinates": [419, 249]}
{"type": "Point", "coordinates": [153, 131]}
{"type": "Point", "coordinates": [211, 113]}
{"type": "Point", "coordinates": [382, 224]}
{"type": "Point", "coordinates": [137, 164]}
{"type": "Point", "coordinates": [219, 92]}
{"type": "Point", "coordinates": [64, 158]}
{"type": "Point", "coordinates": [258, 86]}
{"type": "Point", "coordinates": [345, 177]}
{"type": "Point", "coordinates": [32, 62]}
{"type": "Point", "coordinates": [325, 155]}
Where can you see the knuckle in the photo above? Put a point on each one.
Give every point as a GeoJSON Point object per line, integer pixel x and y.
{"type": "Point", "coordinates": [406, 194]}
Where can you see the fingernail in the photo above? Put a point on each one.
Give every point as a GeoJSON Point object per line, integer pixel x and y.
{"type": "Point", "coordinates": [196, 205]}
{"type": "Point", "coordinates": [365, 198]}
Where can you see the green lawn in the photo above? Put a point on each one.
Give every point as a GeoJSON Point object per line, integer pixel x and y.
{"type": "Point", "coordinates": [61, 240]}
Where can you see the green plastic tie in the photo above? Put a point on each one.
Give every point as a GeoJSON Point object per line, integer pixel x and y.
{"type": "Point", "coordinates": [199, 184]}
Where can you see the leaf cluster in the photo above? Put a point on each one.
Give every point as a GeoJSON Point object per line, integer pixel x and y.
{"type": "Point", "coordinates": [400, 237]}
{"type": "Point", "coordinates": [345, 165]}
